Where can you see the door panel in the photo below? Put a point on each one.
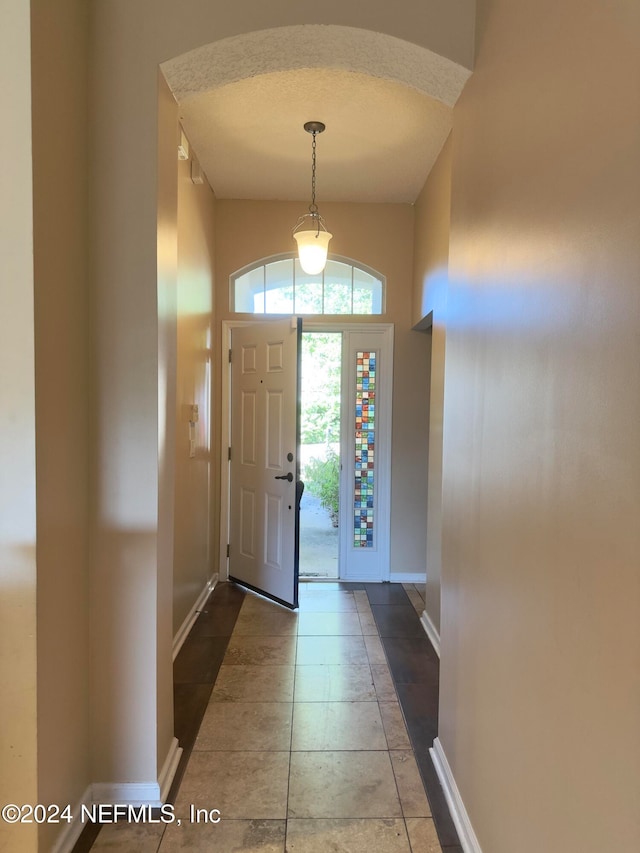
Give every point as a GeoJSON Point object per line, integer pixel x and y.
{"type": "Point", "coordinates": [248, 428]}
{"type": "Point", "coordinates": [264, 522]}
{"type": "Point", "coordinates": [275, 429]}
{"type": "Point", "coordinates": [273, 528]}
{"type": "Point", "coordinates": [248, 524]}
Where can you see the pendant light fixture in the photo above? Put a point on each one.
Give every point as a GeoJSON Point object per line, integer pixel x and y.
{"type": "Point", "coordinates": [310, 233]}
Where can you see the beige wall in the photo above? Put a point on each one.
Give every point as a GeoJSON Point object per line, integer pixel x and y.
{"type": "Point", "coordinates": [194, 545]}
{"type": "Point", "coordinates": [62, 438]}
{"type": "Point", "coordinates": [160, 612]}
{"type": "Point", "coordinates": [132, 306]}
{"type": "Point", "coordinates": [540, 677]}
{"type": "Point", "coordinates": [380, 236]}
{"type": "Point", "coordinates": [431, 249]}
{"type": "Point", "coordinates": [18, 720]}
{"type": "Point", "coordinates": [430, 277]}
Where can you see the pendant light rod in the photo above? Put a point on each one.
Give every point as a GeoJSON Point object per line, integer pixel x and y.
{"type": "Point", "coordinates": [313, 127]}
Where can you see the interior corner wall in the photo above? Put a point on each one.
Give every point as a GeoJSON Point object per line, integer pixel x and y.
{"type": "Point", "coordinates": [539, 683]}
{"type": "Point", "coordinates": [133, 203]}
{"type": "Point", "coordinates": [59, 116]}
{"type": "Point", "coordinates": [196, 525]}
{"type": "Point", "coordinates": [380, 236]}
{"type": "Point", "coordinates": [430, 283]}
{"type": "Point", "coordinates": [18, 671]}
{"type": "Point", "coordinates": [167, 348]}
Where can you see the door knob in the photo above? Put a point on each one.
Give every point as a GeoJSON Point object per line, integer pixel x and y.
{"type": "Point", "coordinates": [288, 477]}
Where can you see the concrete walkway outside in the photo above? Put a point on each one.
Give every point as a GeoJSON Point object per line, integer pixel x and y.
{"type": "Point", "coordinates": [318, 540]}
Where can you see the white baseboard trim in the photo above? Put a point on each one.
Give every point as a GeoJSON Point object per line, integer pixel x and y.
{"type": "Point", "coordinates": [126, 793]}
{"type": "Point", "coordinates": [359, 577]}
{"type": "Point", "coordinates": [408, 577]}
{"type": "Point", "coordinates": [431, 631]}
{"type": "Point", "coordinates": [67, 839]}
{"type": "Point", "coordinates": [468, 840]}
{"type": "Point", "coordinates": [169, 769]}
{"type": "Point", "coordinates": [150, 793]}
{"type": "Point", "coordinates": [187, 625]}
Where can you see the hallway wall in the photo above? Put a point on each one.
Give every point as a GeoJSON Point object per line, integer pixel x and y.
{"type": "Point", "coordinates": [59, 115]}
{"type": "Point", "coordinates": [380, 236]}
{"type": "Point", "coordinates": [430, 286]}
{"type": "Point", "coordinates": [44, 485]}
{"type": "Point", "coordinates": [18, 717]}
{"type": "Point", "coordinates": [195, 535]}
{"type": "Point", "coordinates": [540, 683]}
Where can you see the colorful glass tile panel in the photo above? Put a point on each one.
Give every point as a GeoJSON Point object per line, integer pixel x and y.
{"type": "Point", "coordinates": [364, 491]}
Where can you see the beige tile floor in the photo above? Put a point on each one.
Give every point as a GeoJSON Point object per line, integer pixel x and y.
{"type": "Point", "coordinates": [303, 747]}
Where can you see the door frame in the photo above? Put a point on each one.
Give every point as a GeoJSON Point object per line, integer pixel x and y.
{"type": "Point", "coordinates": [309, 324]}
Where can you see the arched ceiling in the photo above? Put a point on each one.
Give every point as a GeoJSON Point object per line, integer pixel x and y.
{"type": "Point", "coordinates": [387, 105]}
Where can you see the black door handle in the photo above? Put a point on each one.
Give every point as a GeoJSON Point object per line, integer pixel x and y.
{"type": "Point", "coordinates": [288, 477]}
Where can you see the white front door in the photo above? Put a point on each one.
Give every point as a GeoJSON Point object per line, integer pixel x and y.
{"type": "Point", "coordinates": [264, 522]}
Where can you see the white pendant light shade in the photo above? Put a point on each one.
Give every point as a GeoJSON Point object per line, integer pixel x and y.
{"type": "Point", "coordinates": [312, 249]}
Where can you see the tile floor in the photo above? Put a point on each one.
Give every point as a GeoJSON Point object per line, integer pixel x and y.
{"type": "Point", "coordinates": [293, 726]}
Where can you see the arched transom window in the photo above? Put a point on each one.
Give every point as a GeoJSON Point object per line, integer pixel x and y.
{"type": "Point", "coordinates": [280, 286]}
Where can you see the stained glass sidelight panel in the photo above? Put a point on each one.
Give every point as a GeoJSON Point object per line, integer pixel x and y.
{"type": "Point", "coordinates": [364, 491]}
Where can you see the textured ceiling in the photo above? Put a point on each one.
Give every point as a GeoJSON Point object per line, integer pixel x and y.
{"type": "Point", "coordinates": [386, 104]}
{"type": "Point", "coordinates": [380, 143]}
